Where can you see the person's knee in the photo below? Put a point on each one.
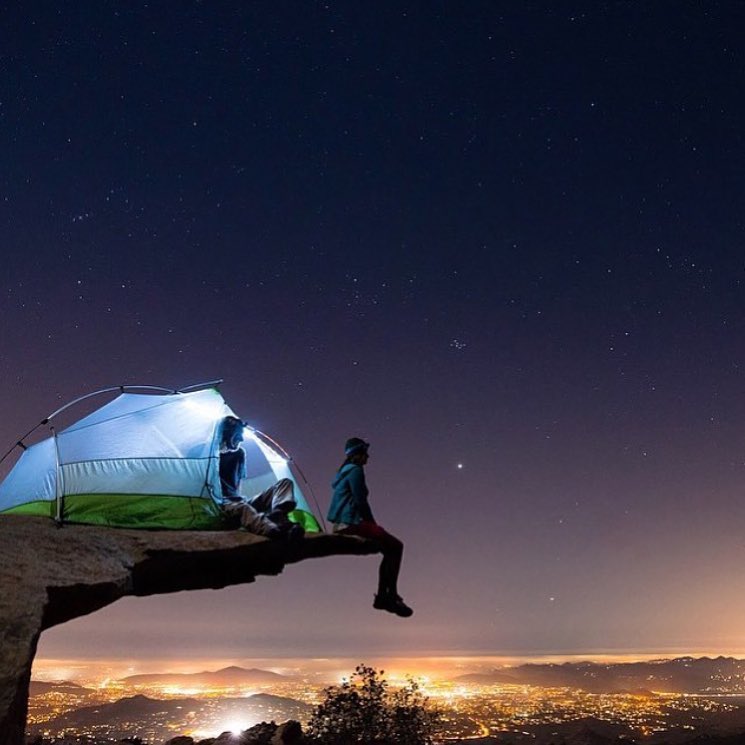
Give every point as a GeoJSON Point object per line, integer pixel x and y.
{"type": "Point", "coordinates": [395, 543]}
{"type": "Point", "coordinates": [284, 495]}
{"type": "Point", "coordinates": [251, 519]}
{"type": "Point", "coordinates": [393, 547]}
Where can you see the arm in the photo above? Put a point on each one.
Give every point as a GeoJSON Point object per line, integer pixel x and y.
{"type": "Point", "coordinates": [243, 472]}
{"type": "Point", "coordinates": [360, 491]}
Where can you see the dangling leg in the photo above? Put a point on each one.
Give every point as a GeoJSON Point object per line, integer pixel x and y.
{"type": "Point", "coordinates": [387, 597]}
{"type": "Point", "coordinates": [390, 565]}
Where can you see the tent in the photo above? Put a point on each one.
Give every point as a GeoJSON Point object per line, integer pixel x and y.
{"type": "Point", "coordinates": [146, 459]}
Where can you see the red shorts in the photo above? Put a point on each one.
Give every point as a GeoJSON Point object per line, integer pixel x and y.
{"type": "Point", "coordinates": [375, 532]}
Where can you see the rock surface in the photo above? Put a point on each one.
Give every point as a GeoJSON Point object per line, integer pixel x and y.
{"type": "Point", "coordinates": [49, 575]}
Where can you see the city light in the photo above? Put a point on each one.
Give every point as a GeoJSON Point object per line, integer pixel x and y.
{"type": "Point", "coordinates": [237, 726]}
{"type": "Point", "coordinates": [477, 707]}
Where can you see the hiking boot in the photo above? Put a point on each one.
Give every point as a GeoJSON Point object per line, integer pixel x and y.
{"type": "Point", "coordinates": [273, 531]}
{"type": "Point", "coordinates": [392, 604]}
{"type": "Point", "coordinates": [295, 533]}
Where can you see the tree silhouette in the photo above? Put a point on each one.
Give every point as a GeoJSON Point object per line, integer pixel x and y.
{"type": "Point", "coordinates": [363, 710]}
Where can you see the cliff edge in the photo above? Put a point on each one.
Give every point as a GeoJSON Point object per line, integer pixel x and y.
{"type": "Point", "coordinates": [50, 575]}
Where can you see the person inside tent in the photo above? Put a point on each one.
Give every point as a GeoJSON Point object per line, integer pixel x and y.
{"type": "Point", "coordinates": [350, 514]}
{"type": "Point", "coordinates": [266, 513]}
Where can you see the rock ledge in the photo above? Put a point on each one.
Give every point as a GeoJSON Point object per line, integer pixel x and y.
{"type": "Point", "coordinates": [50, 575]}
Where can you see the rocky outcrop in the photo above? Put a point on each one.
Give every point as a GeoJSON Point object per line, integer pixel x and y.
{"type": "Point", "coordinates": [49, 575]}
{"type": "Point", "coordinates": [265, 733]}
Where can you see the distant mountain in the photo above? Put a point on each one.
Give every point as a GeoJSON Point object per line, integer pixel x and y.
{"type": "Point", "coordinates": [679, 675]}
{"type": "Point", "coordinates": [40, 687]}
{"type": "Point", "coordinates": [495, 677]}
{"type": "Point", "coordinates": [132, 708]}
{"type": "Point", "coordinates": [227, 676]}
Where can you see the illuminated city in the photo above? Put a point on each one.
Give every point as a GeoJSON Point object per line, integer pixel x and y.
{"type": "Point", "coordinates": [155, 708]}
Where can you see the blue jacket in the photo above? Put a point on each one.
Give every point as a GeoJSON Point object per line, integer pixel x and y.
{"type": "Point", "coordinates": [349, 503]}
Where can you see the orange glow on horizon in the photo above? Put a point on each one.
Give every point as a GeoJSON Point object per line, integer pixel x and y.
{"type": "Point", "coordinates": [425, 668]}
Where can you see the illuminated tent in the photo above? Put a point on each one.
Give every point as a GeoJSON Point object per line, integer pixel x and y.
{"type": "Point", "coordinates": [143, 460]}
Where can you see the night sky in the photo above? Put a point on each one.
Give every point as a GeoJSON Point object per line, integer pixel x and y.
{"type": "Point", "coordinates": [503, 241]}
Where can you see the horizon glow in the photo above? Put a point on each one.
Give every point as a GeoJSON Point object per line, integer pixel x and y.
{"type": "Point", "coordinates": [335, 669]}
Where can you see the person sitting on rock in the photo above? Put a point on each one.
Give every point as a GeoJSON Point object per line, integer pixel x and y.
{"type": "Point", "coordinates": [350, 514]}
{"type": "Point", "coordinates": [266, 513]}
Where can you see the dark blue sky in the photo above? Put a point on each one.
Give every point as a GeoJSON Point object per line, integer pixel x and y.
{"type": "Point", "coordinates": [502, 235]}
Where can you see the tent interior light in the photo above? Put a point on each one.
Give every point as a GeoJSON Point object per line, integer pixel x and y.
{"type": "Point", "coordinates": [209, 408]}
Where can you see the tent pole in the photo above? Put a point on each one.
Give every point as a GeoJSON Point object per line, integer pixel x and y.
{"type": "Point", "coordinates": [120, 388]}
{"type": "Point", "coordinates": [111, 389]}
{"type": "Point", "coordinates": [19, 443]}
{"type": "Point", "coordinates": [59, 486]}
{"type": "Point", "coordinates": [292, 463]}
{"type": "Point", "coordinates": [207, 384]}
{"type": "Point", "coordinates": [212, 462]}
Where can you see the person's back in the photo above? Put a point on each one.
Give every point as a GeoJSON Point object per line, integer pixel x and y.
{"type": "Point", "coordinates": [350, 514]}
{"type": "Point", "coordinates": [349, 504]}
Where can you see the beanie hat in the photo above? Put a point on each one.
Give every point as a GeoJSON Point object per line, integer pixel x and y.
{"type": "Point", "coordinates": [355, 445]}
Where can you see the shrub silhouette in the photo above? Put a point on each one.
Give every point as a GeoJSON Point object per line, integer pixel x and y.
{"type": "Point", "coordinates": [363, 710]}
